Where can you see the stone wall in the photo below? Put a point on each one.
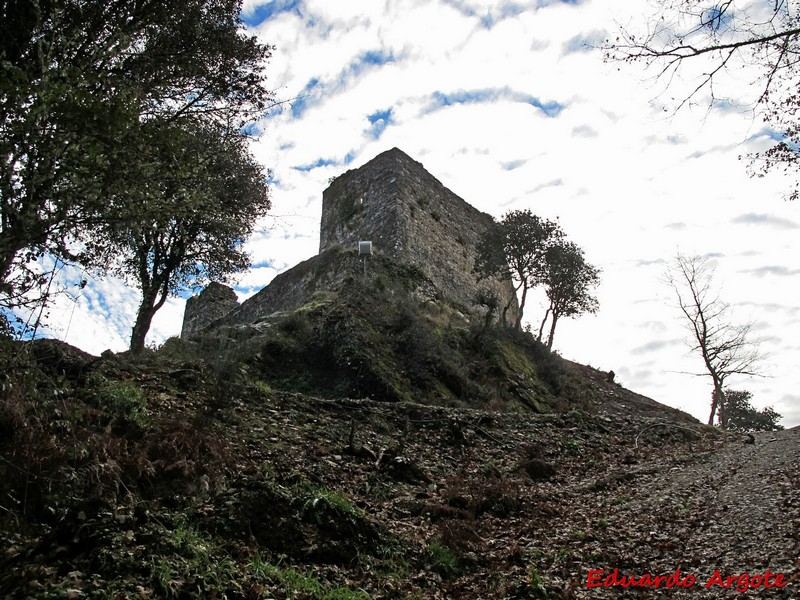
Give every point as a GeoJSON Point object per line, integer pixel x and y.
{"type": "Point", "coordinates": [409, 215]}
{"type": "Point", "coordinates": [211, 304]}
{"type": "Point", "coordinates": [294, 287]}
{"type": "Point", "coordinates": [411, 219]}
{"type": "Point", "coordinates": [325, 272]}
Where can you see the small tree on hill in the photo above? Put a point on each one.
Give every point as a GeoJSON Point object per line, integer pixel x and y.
{"type": "Point", "coordinates": [516, 248]}
{"type": "Point", "coordinates": [739, 414]}
{"type": "Point", "coordinates": [568, 280]}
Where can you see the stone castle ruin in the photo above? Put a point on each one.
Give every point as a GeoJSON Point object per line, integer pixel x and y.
{"type": "Point", "coordinates": [409, 217]}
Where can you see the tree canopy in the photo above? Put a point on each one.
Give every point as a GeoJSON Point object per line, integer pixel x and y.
{"type": "Point", "coordinates": [78, 80]}
{"type": "Point", "coordinates": [568, 280]}
{"type": "Point", "coordinates": [182, 212]}
{"type": "Point", "coordinates": [534, 252]}
{"type": "Point", "coordinates": [516, 248]}
{"type": "Point", "coordinates": [740, 415]}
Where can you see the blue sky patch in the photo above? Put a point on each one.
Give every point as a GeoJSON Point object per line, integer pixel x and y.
{"type": "Point", "coordinates": [313, 92]}
{"type": "Point", "coordinates": [305, 98]}
{"type": "Point", "coordinates": [272, 180]}
{"type": "Point", "coordinates": [551, 109]}
{"type": "Point", "coordinates": [320, 162]}
{"type": "Point", "coordinates": [765, 219]}
{"type": "Point", "coordinates": [268, 10]}
{"type": "Point", "coordinates": [264, 264]}
{"type": "Point", "coordinates": [441, 100]}
{"type": "Point", "coordinates": [367, 60]}
{"type": "Point", "coordinates": [252, 130]}
{"type": "Point", "coordinates": [775, 136]}
{"type": "Point", "coordinates": [512, 164]}
{"type": "Point", "coordinates": [506, 11]}
{"type": "Point", "coordinates": [490, 18]}
{"type": "Point", "coordinates": [326, 162]}
{"type": "Point", "coordinates": [545, 3]}
{"type": "Point", "coordinates": [584, 42]}
{"type": "Point", "coordinates": [716, 18]}
{"type": "Point", "coordinates": [379, 121]}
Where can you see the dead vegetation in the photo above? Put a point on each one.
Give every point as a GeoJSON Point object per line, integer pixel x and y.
{"type": "Point", "coordinates": [166, 476]}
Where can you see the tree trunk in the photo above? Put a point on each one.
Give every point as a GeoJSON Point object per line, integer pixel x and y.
{"type": "Point", "coordinates": [541, 327]}
{"type": "Point", "coordinates": [518, 324]}
{"type": "Point", "coordinates": [6, 260]}
{"type": "Point", "coordinates": [9, 247]}
{"type": "Point", "coordinates": [717, 399]}
{"type": "Point", "coordinates": [552, 331]}
{"type": "Point", "coordinates": [505, 311]}
{"type": "Point", "coordinates": [720, 400]}
{"type": "Point", "coordinates": [144, 317]}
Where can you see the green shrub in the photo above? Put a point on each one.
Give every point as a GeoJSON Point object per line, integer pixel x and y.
{"type": "Point", "coordinates": [122, 399]}
{"type": "Point", "coordinates": [441, 559]}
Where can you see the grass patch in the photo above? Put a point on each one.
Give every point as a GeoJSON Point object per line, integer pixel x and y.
{"type": "Point", "coordinates": [441, 559]}
{"type": "Point", "coordinates": [295, 581]}
{"type": "Point", "coordinates": [120, 398]}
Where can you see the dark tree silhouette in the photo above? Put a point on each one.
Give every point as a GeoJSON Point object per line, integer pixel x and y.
{"type": "Point", "coordinates": [184, 208]}
{"type": "Point", "coordinates": [739, 414]}
{"type": "Point", "coordinates": [516, 248]}
{"type": "Point", "coordinates": [568, 280]}
{"type": "Point", "coordinates": [76, 76]}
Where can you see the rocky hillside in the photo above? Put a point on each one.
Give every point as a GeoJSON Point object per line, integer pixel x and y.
{"type": "Point", "coordinates": [371, 444]}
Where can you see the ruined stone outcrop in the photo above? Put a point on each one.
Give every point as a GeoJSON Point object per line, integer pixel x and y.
{"type": "Point", "coordinates": [211, 304]}
{"type": "Point", "coordinates": [325, 272]}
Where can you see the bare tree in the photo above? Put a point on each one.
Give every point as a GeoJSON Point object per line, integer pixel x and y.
{"type": "Point", "coordinates": [727, 39]}
{"type": "Point", "coordinates": [726, 348]}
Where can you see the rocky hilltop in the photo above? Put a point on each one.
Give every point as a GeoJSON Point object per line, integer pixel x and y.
{"type": "Point", "coordinates": [409, 217]}
{"type": "Point", "coordinates": [184, 473]}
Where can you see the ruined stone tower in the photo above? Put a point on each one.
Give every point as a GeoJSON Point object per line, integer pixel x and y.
{"type": "Point", "coordinates": [409, 215]}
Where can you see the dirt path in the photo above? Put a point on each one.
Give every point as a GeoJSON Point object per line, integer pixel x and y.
{"type": "Point", "coordinates": [719, 514]}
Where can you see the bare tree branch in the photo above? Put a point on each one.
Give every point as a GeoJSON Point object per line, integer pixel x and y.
{"type": "Point", "coordinates": [757, 39]}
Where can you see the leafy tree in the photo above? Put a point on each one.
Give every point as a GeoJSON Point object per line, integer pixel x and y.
{"type": "Point", "coordinates": [184, 209]}
{"type": "Point", "coordinates": [758, 40]}
{"type": "Point", "coordinates": [516, 248]}
{"type": "Point", "coordinates": [739, 414]}
{"type": "Point", "coordinates": [568, 280]}
{"type": "Point", "coordinates": [76, 76]}
{"type": "Point", "coordinates": [726, 348]}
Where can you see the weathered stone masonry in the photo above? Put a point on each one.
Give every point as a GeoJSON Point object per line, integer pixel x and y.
{"type": "Point", "coordinates": [212, 303]}
{"type": "Point", "coordinates": [408, 215]}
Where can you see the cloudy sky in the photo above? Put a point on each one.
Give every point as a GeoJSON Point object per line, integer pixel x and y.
{"type": "Point", "coordinates": [508, 105]}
